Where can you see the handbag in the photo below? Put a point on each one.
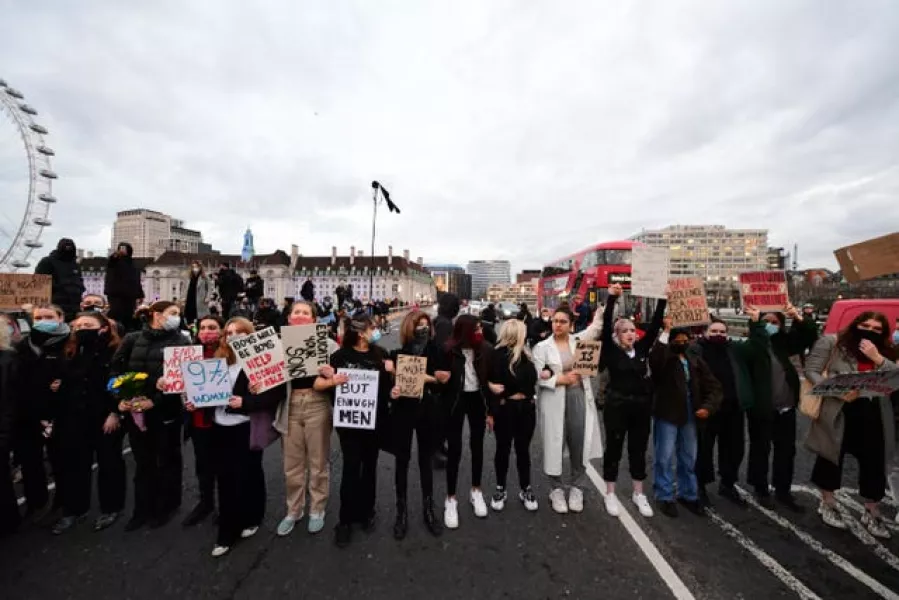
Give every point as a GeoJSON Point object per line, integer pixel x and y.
{"type": "Point", "coordinates": [262, 431]}
{"type": "Point", "coordinates": [809, 404]}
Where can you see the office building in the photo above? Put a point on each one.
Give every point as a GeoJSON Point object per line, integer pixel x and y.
{"type": "Point", "coordinates": [451, 279]}
{"type": "Point", "coordinates": [528, 275]}
{"type": "Point", "coordinates": [778, 259]}
{"type": "Point", "coordinates": [151, 233]}
{"type": "Point", "coordinates": [485, 273]}
{"type": "Point", "coordinates": [519, 293]}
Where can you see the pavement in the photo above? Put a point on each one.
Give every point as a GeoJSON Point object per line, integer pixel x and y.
{"type": "Point", "coordinates": [729, 553]}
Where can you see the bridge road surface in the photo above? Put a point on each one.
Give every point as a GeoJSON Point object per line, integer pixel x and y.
{"type": "Point", "coordinates": [731, 553]}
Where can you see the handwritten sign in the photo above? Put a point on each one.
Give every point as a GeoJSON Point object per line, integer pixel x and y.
{"type": "Point", "coordinates": [410, 375]}
{"type": "Point", "coordinates": [207, 382]}
{"type": "Point", "coordinates": [586, 358]}
{"type": "Point", "coordinates": [356, 401]}
{"type": "Point", "coordinates": [17, 289]}
{"type": "Point", "coordinates": [872, 383]}
{"type": "Point", "coordinates": [649, 268]}
{"type": "Point", "coordinates": [687, 303]}
{"type": "Point", "coordinates": [173, 358]}
{"type": "Point", "coordinates": [305, 349]}
{"type": "Point", "coordinates": [261, 356]}
{"type": "Point", "coordinates": [764, 290]}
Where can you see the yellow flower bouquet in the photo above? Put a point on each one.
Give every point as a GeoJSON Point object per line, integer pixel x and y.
{"type": "Point", "coordinates": [127, 387]}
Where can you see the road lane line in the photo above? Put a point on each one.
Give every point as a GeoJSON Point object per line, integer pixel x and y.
{"type": "Point", "coordinates": [52, 486]}
{"type": "Point", "coordinates": [850, 503]}
{"type": "Point", "coordinates": [887, 500]}
{"type": "Point", "coordinates": [662, 567]}
{"type": "Point", "coordinates": [856, 528]}
{"type": "Point", "coordinates": [767, 561]}
{"type": "Point", "coordinates": [837, 560]}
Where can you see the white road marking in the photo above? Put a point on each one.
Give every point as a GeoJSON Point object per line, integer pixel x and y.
{"type": "Point", "coordinates": [767, 561]}
{"type": "Point", "coordinates": [850, 502]}
{"type": "Point", "coordinates": [52, 486]}
{"type": "Point", "coordinates": [837, 560]}
{"type": "Point", "coordinates": [888, 499]}
{"type": "Point", "coordinates": [674, 583]}
{"type": "Point", "coordinates": [856, 528]}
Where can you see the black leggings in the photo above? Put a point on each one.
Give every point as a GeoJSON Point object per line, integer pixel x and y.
{"type": "Point", "coordinates": [470, 404]}
{"type": "Point", "coordinates": [515, 420]}
{"type": "Point", "coordinates": [631, 417]}
{"type": "Point", "coordinates": [413, 416]}
{"type": "Point", "coordinates": [359, 478]}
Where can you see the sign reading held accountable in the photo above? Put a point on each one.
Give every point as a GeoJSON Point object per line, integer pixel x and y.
{"type": "Point", "coordinates": [173, 358]}
{"type": "Point", "coordinates": [261, 357]}
{"type": "Point", "coordinates": [207, 382]}
{"type": "Point", "coordinates": [649, 269]}
{"type": "Point", "coordinates": [586, 358]}
{"type": "Point", "coordinates": [764, 290]}
{"type": "Point", "coordinates": [356, 401]}
{"type": "Point", "coordinates": [873, 383]}
{"type": "Point", "coordinates": [410, 375]}
{"type": "Point", "coordinates": [687, 303]}
{"type": "Point", "coordinates": [17, 289]}
{"type": "Point", "coordinates": [305, 349]}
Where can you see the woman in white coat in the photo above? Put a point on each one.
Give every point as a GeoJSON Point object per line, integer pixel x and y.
{"type": "Point", "coordinates": [568, 414]}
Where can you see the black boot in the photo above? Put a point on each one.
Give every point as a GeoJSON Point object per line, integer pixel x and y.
{"type": "Point", "coordinates": [402, 521]}
{"type": "Point", "coordinates": [431, 522]}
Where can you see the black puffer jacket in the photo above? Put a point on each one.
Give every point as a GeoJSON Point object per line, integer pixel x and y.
{"type": "Point", "coordinates": [86, 379]}
{"type": "Point", "coordinates": [7, 399]}
{"type": "Point", "coordinates": [41, 361]}
{"type": "Point", "coordinates": [144, 352]}
{"type": "Point", "coordinates": [122, 277]}
{"type": "Point", "coordinates": [68, 284]}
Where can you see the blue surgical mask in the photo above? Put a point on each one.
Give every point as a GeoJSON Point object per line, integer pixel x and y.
{"type": "Point", "coordinates": [375, 336]}
{"type": "Point", "coordinates": [771, 329]}
{"type": "Point", "coordinates": [896, 337]}
{"type": "Point", "coordinates": [46, 326]}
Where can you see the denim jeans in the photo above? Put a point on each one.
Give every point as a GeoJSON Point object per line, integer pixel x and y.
{"type": "Point", "coordinates": [670, 442]}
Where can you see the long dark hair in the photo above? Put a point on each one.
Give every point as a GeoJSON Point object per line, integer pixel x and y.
{"type": "Point", "coordinates": [354, 328]}
{"type": "Point", "coordinates": [463, 331]}
{"type": "Point", "coordinates": [71, 347]}
{"type": "Point", "coordinates": [848, 340]}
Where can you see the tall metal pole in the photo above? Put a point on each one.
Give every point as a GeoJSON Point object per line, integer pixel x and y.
{"type": "Point", "coordinates": [371, 273]}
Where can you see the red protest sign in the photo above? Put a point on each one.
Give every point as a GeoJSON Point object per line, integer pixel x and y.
{"type": "Point", "coordinates": [764, 290]}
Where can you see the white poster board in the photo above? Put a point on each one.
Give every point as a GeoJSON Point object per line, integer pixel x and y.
{"type": "Point", "coordinates": [305, 349]}
{"type": "Point", "coordinates": [649, 271]}
{"type": "Point", "coordinates": [207, 382]}
{"type": "Point", "coordinates": [356, 401]}
{"type": "Point", "coordinates": [173, 357]}
{"type": "Point", "coordinates": [261, 356]}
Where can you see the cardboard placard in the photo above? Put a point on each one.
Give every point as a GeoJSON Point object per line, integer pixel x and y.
{"type": "Point", "coordinates": [261, 356]}
{"type": "Point", "coordinates": [173, 358]}
{"type": "Point", "coordinates": [305, 349]}
{"type": "Point", "coordinates": [410, 375]}
{"type": "Point", "coordinates": [869, 259]}
{"type": "Point", "coordinates": [207, 382]}
{"type": "Point", "coordinates": [356, 401]}
{"type": "Point", "coordinates": [649, 270]}
{"type": "Point", "coordinates": [764, 290]}
{"type": "Point", "coordinates": [586, 358]}
{"type": "Point", "coordinates": [17, 289]}
{"type": "Point", "coordinates": [687, 302]}
{"type": "Point", "coordinates": [872, 383]}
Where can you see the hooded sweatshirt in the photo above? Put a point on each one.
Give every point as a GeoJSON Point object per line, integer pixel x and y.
{"type": "Point", "coordinates": [68, 285]}
{"type": "Point", "coordinates": [123, 277]}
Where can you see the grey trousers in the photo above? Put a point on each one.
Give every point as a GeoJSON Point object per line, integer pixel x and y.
{"type": "Point", "coordinates": [575, 420]}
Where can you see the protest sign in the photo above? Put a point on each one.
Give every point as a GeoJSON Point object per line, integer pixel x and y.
{"type": "Point", "coordinates": [410, 375]}
{"type": "Point", "coordinates": [207, 382]}
{"type": "Point", "coordinates": [356, 401]}
{"type": "Point", "coordinates": [305, 349]}
{"type": "Point", "coordinates": [764, 290]}
{"type": "Point", "coordinates": [873, 383]}
{"type": "Point", "coordinates": [687, 303]}
{"type": "Point", "coordinates": [173, 358]}
{"type": "Point", "coordinates": [869, 259]}
{"type": "Point", "coordinates": [17, 289]}
{"type": "Point", "coordinates": [649, 269]}
{"type": "Point", "coordinates": [586, 358]}
{"type": "Point", "coordinates": [261, 356]}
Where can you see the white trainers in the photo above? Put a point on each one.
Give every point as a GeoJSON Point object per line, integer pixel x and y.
{"type": "Point", "coordinates": [528, 498]}
{"type": "Point", "coordinates": [249, 532]}
{"type": "Point", "coordinates": [451, 513]}
{"type": "Point", "coordinates": [612, 505]}
{"type": "Point", "coordinates": [576, 500]}
{"type": "Point", "coordinates": [218, 551]}
{"type": "Point", "coordinates": [477, 501]}
{"type": "Point", "coordinates": [498, 501]}
{"type": "Point", "coordinates": [557, 499]}
{"type": "Point", "coordinates": [642, 505]}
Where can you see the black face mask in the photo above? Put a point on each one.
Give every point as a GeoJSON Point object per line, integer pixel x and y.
{"type": "Point", "coordinates": [422, 334]}
{"type": "Point", "coordinates": [717, 340]}
{"type": "Point", "coordinates": [678, 348]}
{"type": "Point", "coordinates": [87, 337]}
{"type": "Point", "coordinates": [872, 336]}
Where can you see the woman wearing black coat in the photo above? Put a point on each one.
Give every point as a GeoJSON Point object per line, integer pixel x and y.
{"type": "Point", "coordinates": [9, 507]}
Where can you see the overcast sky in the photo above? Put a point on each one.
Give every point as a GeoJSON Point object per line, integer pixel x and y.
{"type": "Point", "coordinates": [503, 129]}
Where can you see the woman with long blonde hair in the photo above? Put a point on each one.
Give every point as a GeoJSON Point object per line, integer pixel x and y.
{"type": "Point", "coordinates": [512, 411]}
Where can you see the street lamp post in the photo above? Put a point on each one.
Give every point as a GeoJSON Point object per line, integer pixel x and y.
{"type": "Point", "coordinates": [375, 188]}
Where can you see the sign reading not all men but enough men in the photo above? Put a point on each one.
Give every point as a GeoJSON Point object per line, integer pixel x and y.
{"type": "Point", "coordinates": [356, 401]}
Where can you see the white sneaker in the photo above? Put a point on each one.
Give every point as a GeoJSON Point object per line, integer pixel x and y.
{"type": "Point", "coordinates": [249, 532]}
{"type": "Point", "coordinates": [576, 500]}
{"type": "Point", "coordinates": [498, 501]}
{"type": "Point", "coordinates": [557, 499]}
{"type": "Point", "coordinates": [612, 505]}
{"type": "Point", "coordinates": [642, 505]}
{"type": "Point", "coordinates": [477, 501]}
{"type": "Point", "coordinates": [528, 498]}
{"type": "Point", "coordinates": [218, 551]}
{"type": "Point", "coordinates": [451, 513]}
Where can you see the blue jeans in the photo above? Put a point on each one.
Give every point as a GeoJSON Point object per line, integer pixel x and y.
{"type": "Point", "coordinates": [670, 441]}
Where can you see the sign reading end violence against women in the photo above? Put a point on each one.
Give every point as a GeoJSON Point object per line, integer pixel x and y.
{"type": "Point", "coordinates": [687, 303]}
{"type": "Point", "coordinates": [207, 382]}
{"type": "Point", "coordinates": [172, 358]}
{"type": "Point", "coordinates": [764, 290]}
{"type": "Point", "coordinates": [875, 383]}
{"type": "Point", "coordinates": [261, 357]}
{"type": "Point", "coordinates": [356, 401]}
{"type": "Point", "coordinates": [586, 358]}
{"type": "Point", "coordinates": [305, 349]}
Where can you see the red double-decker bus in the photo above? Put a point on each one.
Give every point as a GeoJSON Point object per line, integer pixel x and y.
{"type": "Point", "coordinates": [588, 274]}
